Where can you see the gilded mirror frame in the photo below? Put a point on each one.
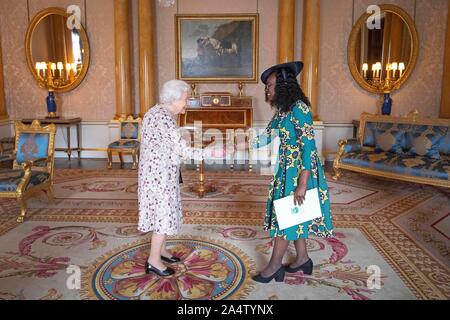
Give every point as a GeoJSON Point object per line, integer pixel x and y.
{"type": "Point", "coordinates": [28, 48]}
{"type": "Point", "coordinates": [352, 42]}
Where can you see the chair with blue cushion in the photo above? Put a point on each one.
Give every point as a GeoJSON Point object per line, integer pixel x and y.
{"type": "Point", "coordinates": [33, 160]}
{"type": "Point", "coordinates": [128, 143]}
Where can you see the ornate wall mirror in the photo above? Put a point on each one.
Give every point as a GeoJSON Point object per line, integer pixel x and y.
{"type": "Point", "coordinates": [58, 56]}
{"type": "Point", "coordinates": [382, 49]}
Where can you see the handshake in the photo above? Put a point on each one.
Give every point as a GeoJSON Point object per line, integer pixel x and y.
{"type": "Point", "coordinates": [227, 150]}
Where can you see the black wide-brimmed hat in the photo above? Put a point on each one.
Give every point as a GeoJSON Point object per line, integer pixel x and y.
{"type": "Point", "coordinates": [295, 67]}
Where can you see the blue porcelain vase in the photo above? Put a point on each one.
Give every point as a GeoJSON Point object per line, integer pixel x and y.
{"type": "Point", "coordinates": [387, 105]}
{"type": "Point", "coordinates": [51, 105]}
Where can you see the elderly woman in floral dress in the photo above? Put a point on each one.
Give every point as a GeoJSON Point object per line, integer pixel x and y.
{"type": "Point", "coordinates": [162, 151]}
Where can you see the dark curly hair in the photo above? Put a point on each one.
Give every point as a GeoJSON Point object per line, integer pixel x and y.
{"type": "Point", "coordinates": [287, 92]}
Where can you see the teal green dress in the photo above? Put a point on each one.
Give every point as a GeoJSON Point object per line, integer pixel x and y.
{"type": "Point", "coordinates": [297, 152]}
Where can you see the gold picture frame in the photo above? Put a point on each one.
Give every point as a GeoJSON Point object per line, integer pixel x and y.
{"type": "Point", "coordinates": [217, 48]}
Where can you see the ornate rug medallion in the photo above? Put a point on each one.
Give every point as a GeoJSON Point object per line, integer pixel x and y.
{"type": "Point", "coordinates": [208, 270]}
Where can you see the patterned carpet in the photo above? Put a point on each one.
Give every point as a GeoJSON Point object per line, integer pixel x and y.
{"type": "Point", "coordinates": [398, 229]}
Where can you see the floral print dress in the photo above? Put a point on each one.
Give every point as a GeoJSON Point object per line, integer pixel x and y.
{"type": "Point", "coordinates": [297, 152]}
{"type": "Point", "coordinates": [161, 154]}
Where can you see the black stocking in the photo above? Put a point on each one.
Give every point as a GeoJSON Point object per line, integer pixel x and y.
{"type": "Point", "coordinates": [279, 249]}
{"type": "Point", "coordinates": [302, 253]}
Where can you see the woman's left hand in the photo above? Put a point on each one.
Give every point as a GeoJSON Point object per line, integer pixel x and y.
{"type": "Point", "coordinates": [299, 195]}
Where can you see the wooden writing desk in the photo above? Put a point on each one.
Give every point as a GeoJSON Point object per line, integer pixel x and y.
{"type": "Point", "coordinates": [221, 118]}
{"type": "Point", "coordinates": [234, 117]}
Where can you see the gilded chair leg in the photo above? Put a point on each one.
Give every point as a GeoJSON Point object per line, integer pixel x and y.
{"type": "Point", "coordinates": [337, 174]}
{"type": "Point", "coordinates": [134, 167]}
{"type": "Point", "coordinates": [23, 209]}
{"type": "Point", "coordinates": [121, 159]}
{"type": "Point", "coordinates": [109, 159]}
{"type": "Point", "coordinates": [50, 195]}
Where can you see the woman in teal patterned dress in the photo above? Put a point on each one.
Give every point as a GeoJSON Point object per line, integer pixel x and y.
{"type": "Point", "coordinates": [298, 169]}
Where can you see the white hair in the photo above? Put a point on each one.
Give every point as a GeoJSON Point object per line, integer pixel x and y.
{"type": "Point", "coordinates": [172, 91]}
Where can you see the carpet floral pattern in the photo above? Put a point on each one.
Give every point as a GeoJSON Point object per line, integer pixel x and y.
{"type": "Point", "coordinates": [394, 230]}
{"type": "Point", "coordinates": [207, 271]}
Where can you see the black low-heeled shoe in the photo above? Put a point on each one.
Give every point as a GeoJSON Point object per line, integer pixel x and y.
{"type": "Point", "coordinates": [278, 275]}
{"type": "Point", "coordinates": [162, 273]}
{"type": "Point", "coordinates": [171, 259]}
{"type": "Point", "coordinates": [307, 268]}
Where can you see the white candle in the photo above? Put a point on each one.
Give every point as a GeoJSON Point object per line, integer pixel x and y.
{"type": "Point", "coordinates": [394, 68]}
{"type": "Point", "coordinates": [53, 68]}
{"type": "Point", "coordinates": [401, 67]}
{"type": "Point", "coordinates": [74, 68]}
{"type": "Point", "coordinates": [38, 68]}
{"type": "Point", "coordinates": [68, 67]}
{"type": "Point", "coordinates": [365, 67]}
{"type": "Point", "coordinates": [44, 68]}
{"type": "Point", "coordinates": [60, 68]}
{"type": "Point", "coordinates": [373, 70]}
{"type": "Point", "coordinates": [378, 69]}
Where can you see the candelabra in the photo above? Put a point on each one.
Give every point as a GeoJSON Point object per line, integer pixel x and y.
{"type": "Point", "coordinates": [52, 76]}
{"type": "Point", "coordinates": [387, 84]}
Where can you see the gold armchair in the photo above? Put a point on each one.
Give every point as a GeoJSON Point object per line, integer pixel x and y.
{"type": "Point", "coordinates": [129, 141]}
{"type": "Point", "coordinates": [32, 170]}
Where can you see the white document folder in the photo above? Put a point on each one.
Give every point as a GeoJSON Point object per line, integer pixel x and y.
{"type": "Point", "coordinates": [289, 215]}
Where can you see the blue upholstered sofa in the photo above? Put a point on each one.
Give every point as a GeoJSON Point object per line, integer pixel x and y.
{"type": "Point", "coordinates": [408, 148]}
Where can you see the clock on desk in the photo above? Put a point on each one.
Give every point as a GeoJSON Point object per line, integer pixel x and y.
{"type": "Point", "coordinates": [216, 99]}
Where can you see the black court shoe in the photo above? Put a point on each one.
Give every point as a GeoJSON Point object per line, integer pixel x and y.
{"type": "Point", "coordinates": [164, 273]}
{"type": "Point", "coordinates": [170, 260]}
{"type": "Point", "coordinates": [307, 268]}
{"type": "Point", "coordinates": [279, 276]}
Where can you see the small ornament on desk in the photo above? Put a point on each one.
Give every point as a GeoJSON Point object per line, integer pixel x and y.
{"type": "Point", "coordinates": [194, 102]}
{"type": "Point", "coordinates": [216, 99]}
{"type": "Point", "coordinates": [193, 90]}
{"type": "Point", "coordinates": [241, 89]}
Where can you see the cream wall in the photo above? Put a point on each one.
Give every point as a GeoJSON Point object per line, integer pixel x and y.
{"type": "Point", "coordinates": [268, 17]}
{"type": "Point", "coordinates": [341, 99]}
{"type": "Point", "coordinates": [94, 99]}
{"type": "Point", "coordinates": [268, 32]}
